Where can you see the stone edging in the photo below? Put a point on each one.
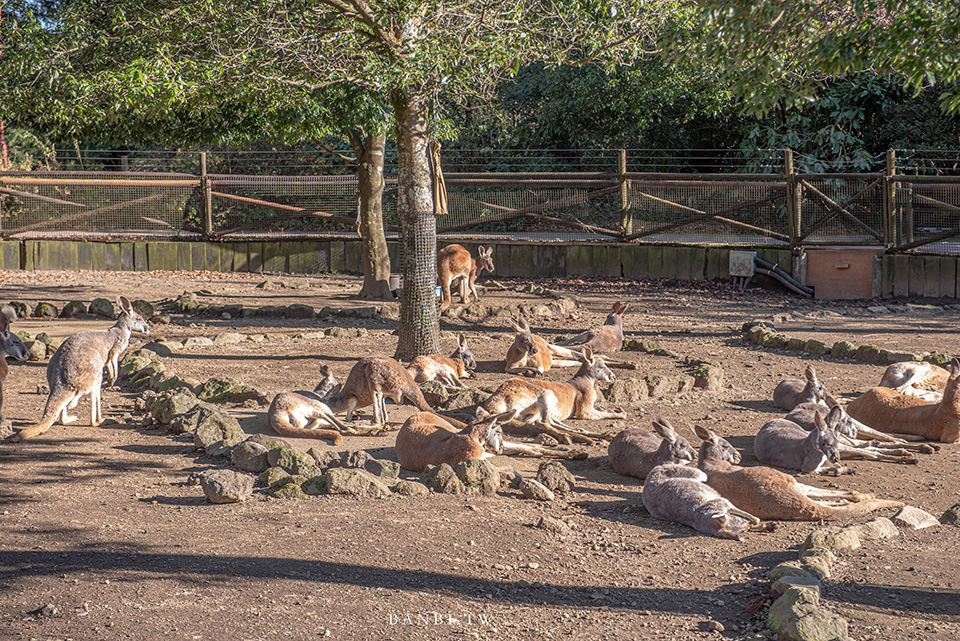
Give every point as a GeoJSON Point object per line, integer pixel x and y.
{"type": "Point", "coordinates": [761, 334]}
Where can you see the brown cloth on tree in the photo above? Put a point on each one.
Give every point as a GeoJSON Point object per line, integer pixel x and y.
{"type": "Point", "coordinates": [439, 186]}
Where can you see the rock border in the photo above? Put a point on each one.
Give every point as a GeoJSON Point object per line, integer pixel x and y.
{"type": "Point", "coordinates": [761, 334]}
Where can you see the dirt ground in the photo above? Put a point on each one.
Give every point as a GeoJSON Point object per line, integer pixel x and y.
{"type": "Point", "coordinates": [101, 524]}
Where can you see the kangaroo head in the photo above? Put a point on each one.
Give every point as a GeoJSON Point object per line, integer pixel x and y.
{"type": "Point", "coordinates": [524, 339]}
{"type": "Point", "coordinates": [615, 317]}
{"type": "Point", "coordinates": [464, 354]}
{"type": "Point", "coordinates": [484, 259]}
{"type": "Point", "coordinates": [716, 447]}
{"type": "Point", "coordinates": [594, 367]}
{"type": "Point", "coordinates": [952, 390]}
{"type": "Point", "coordinates": [488, 429]}
{"type": "Point", "coordinates": [328, 382]}
{"type": "Point", "coordinates": [133, 320]}
{"type": "Point", "coordinates": [10, 343]}
{"type": "Point", "coordinates": [845, 424]}
{"type": "Point", "coordinates": [673, 445]}
{"type": "Point", "coordinates": [825, 436]}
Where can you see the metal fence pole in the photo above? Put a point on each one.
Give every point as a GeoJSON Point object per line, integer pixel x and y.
{"type": "Point", "coordinates": [207, 199]}
{"type": "Point", "coordinates": [626, 214]}
{"type": "Point", "coordinates": [790, 178]}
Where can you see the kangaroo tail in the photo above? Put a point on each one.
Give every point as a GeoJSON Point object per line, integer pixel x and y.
{"type": "Point", "coordinates": [854, 510]}
{"type": "Point", "coordinates": [282, 426]}
{"type": "Point", "coordinates": [55, 405]}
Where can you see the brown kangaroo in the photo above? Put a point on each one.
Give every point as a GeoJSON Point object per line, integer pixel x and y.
{"type": "Point", "coordinates": [910, 417]}
{"type": "Point", "coordinates": [605, 339]}
{"type": "Point", "coordinates": [427, 439]}
{"type": "Point", "coordinates": [448, 371]}
{"type": "Point", "coordinates": [454, 263]}
{"type": "Point", "coordinates": [772, 495]}
{"type": "Point", "coordinates": [304, 414]}
{"type": "Point", "coordinates": [790, 392]}
{"type": "Point", "coordinates": [920, 379]}
{"type": "Point", "coordinates": [370, 381]}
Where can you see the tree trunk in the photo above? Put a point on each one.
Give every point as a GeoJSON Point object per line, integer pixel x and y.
{"type": "Point", "coordinates": [369, 150]}
{"type": "Point", "coordinates": [419, 319]}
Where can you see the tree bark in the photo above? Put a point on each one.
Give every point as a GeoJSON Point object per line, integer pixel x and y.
{"type": "Point", "coordinates": [369, 150]}
{"type": "Point", "coordinates": [419, 319]}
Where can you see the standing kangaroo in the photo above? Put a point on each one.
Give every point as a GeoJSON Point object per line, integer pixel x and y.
{"type": "Point", "coordinates": [635, 451]}
{"type": "Point", "coordinates": [454, 263]}
{"type": "Point", "coordinates": [790, 392]}
{"type": "Point", "coordinates": [76, 369]}
{"type": "Point", "coordinates": [371, 381]}
{"type": "Point", "coordinates": [10, 345]}
{"type": "Point", "coordinates": [772, 495]}
{"type": "Point", "coordinates": [888, 411]}
{"type": "Point", "coordinates": [549, 404]}
{"type": "Point", "coordinates": [448, 371]}
{"type": "Point", "coordinates": [605, 339]}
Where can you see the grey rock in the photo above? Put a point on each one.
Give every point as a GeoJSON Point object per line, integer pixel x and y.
{"type": "Point", "coordinates": [158, 348]}
{"type": "Point", "coordinates": [228, 338]}
{"type": "Point", "coordinates": [818, 624]}
{"type": "Point", "coordinates": [355, 458]}
{"type": "Point", "coordinates": [536, 491]}
{"type": "Point", "coordinates": [45, 310]}
{"type": "Point", "coordinates": [348, 482]}
{"type": "Point", "coordinates": [626, 390]}
{"type": "Point", "coordinates": [325, 458]}
{"type": "Point", "coordinates": [170, 404]}
{"type": "Point", "coordinates": [554, 476]}
{"type": "Point", "coordinates": [103, 308]}
{"type": "Point", "coordinates": [6, 428]}
{"type": "Point", "coordinates": [299, 310]}
{"type": "Point", "coordinates": [915, 518]}
{"type": "Point", "coordinates": [36, 351]}
{"type": "Point", "coordinates": [292, 461]}
{"type": "Point", "coordinates": [442, 478]}
{"type": "Point", "coordinates": [226, 486]}
{"type": "Point", "coordinates": [784, 583]}
{"type": "Point", "coordinates": [878, 529]}
{"type": "Point", "coordinates": [389, 471]}
{"type": "Point", "coordinates": [250, 457]}
{"type": "Point", "coordinates": [410, 488]}
{"type": "Point", "coordinates": [479, 476]}
{"type": "Point", "coordinates": [217, 432]}
{"type": "Point", "coordinates": [73, 308]}
{"type": "Point", "coordinates": [197, 341]}
{"type": "Point", "coordinates": [818, 562]}
{"type": "Point", "coordinates": [552, 524]}
{"type": "Point", "coordinates": [833, 539]}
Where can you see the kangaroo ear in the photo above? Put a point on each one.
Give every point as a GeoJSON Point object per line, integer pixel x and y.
{"type": "Point", "coordinates": [124, 304]}
{"type": "Point", "coordinates": [323, 367]}
{"type": "Point", "coordinates": [704, 434]}
{"type": "Point", "coordinates": [623, 308]}
{"type": "Point", "coordinates": [665, 431]}
{"type": "Point", "coordinates": [810, 374]}
{"type": "Point", "coordinates": [516, 327]}
{"type": "Point", "coordinates": [588, 355]}
{"type": "Point", "coordinates": [481, 413]}
{"type": "Point", "coordinates": [955, 368]}
{"type": "Point", "coordinates": [461, 339]}
{"type": "Point", "coordinates": [7, 315]}
{"type": "Point", "coordinates": [818, 421]}
{"type": "Point", "coordinates": [523, 324]}
{"type": "Point", "coordinates": [835, 416]}
{"type": "Point", "coordinates": [480, 249]}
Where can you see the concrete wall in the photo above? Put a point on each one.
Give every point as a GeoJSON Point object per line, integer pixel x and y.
{"type": "Point", "coordinates": [898, 275]}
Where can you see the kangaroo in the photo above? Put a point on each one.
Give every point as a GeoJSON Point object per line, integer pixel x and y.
{"type": "Point", "coordinates": [790, 392]}
{"type": "Point", "coordinates": [909, 417]}
{"type": "Point", "coordinates": [10, 345]}
{"type": "Point", "coordinates": [605, 339]}
{"type": "Point", "coordinates": [427, 439]}
{"type": "Point", "coordinates": [454, 263]}
{"type": "Point", "coordinates": [76, 369]}
{"type": "Point", "coordinates": [448, 371]}
{"type": "Point", "coordinates": [634, 451]}
{"type": "Point", "coordinates": [848, 429]}
{"type": "Point", "coordinates": [549, 404]}
{"type": "Point", "coordinates": [921, 379]}
{"type": "Point", "coordinates": [785, 444]}
{"type": "Point", "coordinates": [772, 495]}
{"type": "Point", "coordinates": [301, 413]}
{"type": "Point", "coordinates": [370, 381]}
{"type": "Point", "coordinates": [531, 355]}
{"type": "Point", "coordinates": [679, 493]}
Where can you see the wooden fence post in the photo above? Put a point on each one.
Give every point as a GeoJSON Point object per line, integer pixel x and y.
{"type": "Point", "coordinates": [207, 199]}
{"type": "Point", "coordinates": [894, 226]}
{"type": "Point", "coordinates": [626, 214]}
{"type": "Point", "coordinates": [793, 200]}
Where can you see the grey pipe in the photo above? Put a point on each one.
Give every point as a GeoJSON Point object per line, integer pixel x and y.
{"type": "Point", "coordinates": [784, 276]}
{"type": "Point", "coordinates": [779, 278]}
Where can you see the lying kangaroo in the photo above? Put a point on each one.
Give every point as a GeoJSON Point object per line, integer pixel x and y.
{"type": "Point", "coordinates": [771, 494]}
{"type": "Point", "coordinates": [909, 417]}
{"type": "Point", "coordinates": [852, 447]}
{"type": "Point", "coordinates": [448, 371]}
{"type": "Point", "coordinates": [921, 379]}
{"type": "Point", "coordinates": [76, 369]}
{"type": "Point", "coordinates": [427, 439]}
{"type": "Point", "coordinates": [303, 414]}
{"type": "Point", "coordinates": [455, 264]}
{"type": "Point", "coordinates": [790, 392]}
{"type": "Point", "coordinates": [679, 493]}
{"type": "Point", "coordinates": [605, 339]}
{"type": "Point", "coordinates": [370, 381]}
{"type": "Point", "coordinates": [634, 451]}
{"type": "Point", "coordinates": [530, 355]}
{"type": "Point", "coordinates": [548, 404]}
{"type": "Point", "coordinates": [785, 444]}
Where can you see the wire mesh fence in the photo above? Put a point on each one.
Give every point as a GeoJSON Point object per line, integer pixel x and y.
{"type": "Point", "coordinates": [678, 196]}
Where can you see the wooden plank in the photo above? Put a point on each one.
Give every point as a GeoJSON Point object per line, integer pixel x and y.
{"type": "Point", "coordinates": [98, 256]}
{"type": "Point", "coordinates": [718, 264]}
{"type": "Point", "coordinates": [162, 255]}
{"type": "Point", "coordinates": [274, 258]}
{"type": "Point", "coordinates": [901, 275]}
{"type": "Point", "coordinates": [57, 254]}
{"type": "Point", "coordinates": [336, 256]}
{"type": "Point", "coordinates": [607, 260]}
{"type": "Point", "coordinates": [184, 261]}
{"type": "Point", "coordinates": [255, 257]}
{"type": "Point", "coordinates": [112, 256]}
{"type": "Point", "coordinates": [655, 267]}
{"type": "Point", "coordinates": [85, 256]}
{"type": "Point", "coordinates": [140, 261]}
{"type": "Point", "coordinates": [886, 276]}
{"type": "Point", "coordinates": [948, 277]}
{"type": "Point", "coordinates": [931, 276]}
{"type": "Point", "coordinates": [353, 257]}
{"type": "Point", "coordinates": [241, 259]}
{"type": "Point", "coordinates": [198, 256]}
{"type": "Point", "coordinates": [126, 257]}
{"type": "Point", "coordinates": [916, 276]}
{"type": "Point", "coordinates": [10, 254]}
{"type": "Point", "coordinates": [29, 255]}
